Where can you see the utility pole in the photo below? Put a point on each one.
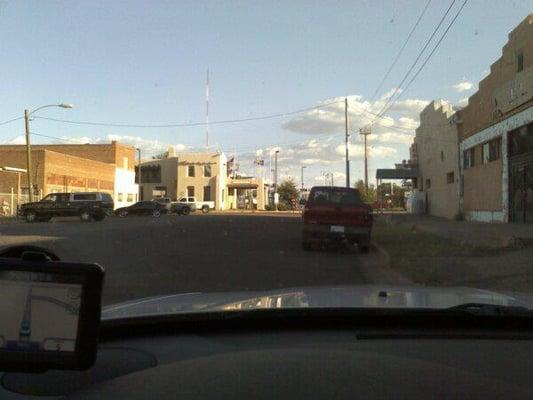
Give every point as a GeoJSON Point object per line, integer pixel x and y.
{"type": "Point", "coordinates": [139, 177]}
{"type": "Point", "coordinates": [367, 130]}
{"type": "Point", "coordinates": [303, 166]}
{"type": "Point", "coordinates": [28, 154]}
{"type": "Point", "coordinates": [276, 179]}
{"type": "Point", "coordinates": [346, 140]}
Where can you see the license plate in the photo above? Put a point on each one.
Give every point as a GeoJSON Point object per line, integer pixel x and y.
{"type": "Point", "coordinates": [337, 228]}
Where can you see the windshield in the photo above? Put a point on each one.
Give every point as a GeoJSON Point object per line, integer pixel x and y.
{"type": "Point", "coordinates": [235, 155]}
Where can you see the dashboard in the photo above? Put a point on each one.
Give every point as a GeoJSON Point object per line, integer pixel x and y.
{"type": "Point", "coordinates": [295, 363]}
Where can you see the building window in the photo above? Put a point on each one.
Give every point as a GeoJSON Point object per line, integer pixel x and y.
{"type": "Point", "coordinates": [519, 62]}
{"type": "Point", "coordinates": [491, 151]}
{"type": "Point", "coordinates": [442, 156]}
{"type": "Point", "coordinates": [190, 170]}
{"type": "Point", "coordinates": [149, 174]}
{"type": "Point", "coordinates": [207, 171]}
{"type": "Point", "coordinates": [207, 193]}
{"type": "Point", "coordinates": [120, 197]}
{"type": "Point", "coordinates": [450, 178]}
{"type": "Point", "coordinates": [190, 191]}
{"type": "Point", "coordinates": [130, 197]}
{"type": "Point", "coordinates": [428, 184]}
{"type": "Point", "coordinates": [469, 158]}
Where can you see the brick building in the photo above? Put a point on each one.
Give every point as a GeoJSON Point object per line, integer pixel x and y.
{"type": "Point", "coordinates": [496, 136]}
{"type": "Point", "coordinates": [73, 168]}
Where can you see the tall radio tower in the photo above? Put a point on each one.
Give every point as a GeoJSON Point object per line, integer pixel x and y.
{"type": "Point", "coordinates": [207, 110]}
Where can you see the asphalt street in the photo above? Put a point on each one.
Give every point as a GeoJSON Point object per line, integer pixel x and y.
{"type": "Point", "coordinates": [144, 256]}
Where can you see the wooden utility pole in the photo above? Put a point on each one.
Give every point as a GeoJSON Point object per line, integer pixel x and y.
{"type": "Point", "coordinates": [28, 154]}
{"type": "Point", "coordinates": [346, 142]}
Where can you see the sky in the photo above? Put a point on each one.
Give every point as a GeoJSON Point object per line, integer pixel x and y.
{"type": "Point", "coordinates": [145, 63]}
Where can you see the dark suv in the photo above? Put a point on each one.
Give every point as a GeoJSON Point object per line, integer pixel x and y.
{"type": "Point", "coordinates": [88, 206]}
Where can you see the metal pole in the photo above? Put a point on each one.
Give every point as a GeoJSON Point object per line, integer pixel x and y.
{"type": "Point", "coordinates": [276, 171]}
{"type": "Point", "coordinates": [139, 177]}
{"type": "Point", "coordinates": [346, 140]}
{"type": "Point", "coordinates": [366, 166]}
{"type": "Point", "coordinates": [18, 190]}
{"type": "Point", "coordinates": [303, 166]}
{"type": "Point", "coordinates": [207, 110]}
{"type": "Point", "coordinates": [28, 154]}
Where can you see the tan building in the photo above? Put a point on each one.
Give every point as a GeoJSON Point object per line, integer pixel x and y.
{"type": "Point", "coordinates": [73, 168]}
{"type": "Point", "coordinates": [201, 175]}
{"type": "Point", "coordinates": [496, 136]}
{"type": "Point", "coordinates": [436, 150]}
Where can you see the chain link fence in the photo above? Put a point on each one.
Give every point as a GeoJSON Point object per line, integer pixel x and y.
{"type": "Point", "coordinates": [9, 203]}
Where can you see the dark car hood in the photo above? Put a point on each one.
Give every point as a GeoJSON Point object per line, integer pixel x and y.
{"type": "Point", "coordinates": [366, 296]}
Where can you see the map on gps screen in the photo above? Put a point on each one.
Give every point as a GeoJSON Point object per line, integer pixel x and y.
{"type": "Point", "coordinates": [38, 314]}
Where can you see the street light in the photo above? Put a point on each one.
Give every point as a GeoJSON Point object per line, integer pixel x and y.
{"type": "Point", "coordinates": [27, 114]}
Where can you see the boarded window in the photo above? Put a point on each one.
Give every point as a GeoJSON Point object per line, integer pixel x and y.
{"type": "Point", "coordinates": [428, 184]}
{"type": "Point", "coordinates": [207, 170]}
{"type": "Point", "coordinates": [190, 170]}
{"type": "Point", "coordinates": [120, 197]}
{"type": "Point", "coordinates": [491, 151]}
{"type": "Point", "coordinates": [190, 191]}
{"type": "Point", "coordinates": [450, 178]}
{"type": "Point", "coordinates": [130, 197]}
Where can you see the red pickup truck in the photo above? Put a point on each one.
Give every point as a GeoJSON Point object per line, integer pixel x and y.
{"type": "Point", "coordinates": [336, 214]}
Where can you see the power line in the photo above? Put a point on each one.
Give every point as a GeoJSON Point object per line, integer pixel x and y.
{"type": "Point", "coordinates": [429, 56]}
{"type": "Point", "coordinates": [10, 120]}
{"type": "Point", "coordinates": [380, 113]}
{"type": "Point", "coordinates": [400, 52]}
{"type": "Point", "coordinates": [191, 124]}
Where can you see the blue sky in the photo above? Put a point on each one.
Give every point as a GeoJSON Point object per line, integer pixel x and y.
{"type": "Point", "coordinates": [144, 62]}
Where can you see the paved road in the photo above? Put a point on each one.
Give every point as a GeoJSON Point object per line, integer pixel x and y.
{"type": "Point", "coordinates": [145, 256]}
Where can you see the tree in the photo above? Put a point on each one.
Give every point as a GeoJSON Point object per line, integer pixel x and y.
{"type": "Point", "coordinates": [287, 190]}
{"type": "Point", "coordinates": [367, 195]}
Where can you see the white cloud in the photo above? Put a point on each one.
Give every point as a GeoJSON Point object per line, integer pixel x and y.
{"type": "Point", "coordinates": [329, 118]}
{"type": "Point", "coordinates": [18, 140]}
{"type": "Point", "coordinates": [358, 151]}
{"type": "Point", "coordinates": [463, 102]}
{"type": "Point", "coordinates": [463, 86]}
{"type": "Point", "coordinates": [392, 138]}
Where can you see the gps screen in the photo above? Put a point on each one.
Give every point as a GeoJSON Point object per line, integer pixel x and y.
{"type": "Point", "coordinates": [39, 312]}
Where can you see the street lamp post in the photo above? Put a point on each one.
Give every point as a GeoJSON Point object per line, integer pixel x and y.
{"type": "Point", "coordinates": [27, 115]}
{"type": "Point", "coordinates": [303, 166]}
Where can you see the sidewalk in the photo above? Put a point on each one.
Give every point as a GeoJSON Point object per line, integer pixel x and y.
{"type": "Point", "coordinates": [494, 235]}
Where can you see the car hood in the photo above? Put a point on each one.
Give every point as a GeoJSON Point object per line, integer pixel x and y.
{"type": "Point", "coordinates": [365, 296]}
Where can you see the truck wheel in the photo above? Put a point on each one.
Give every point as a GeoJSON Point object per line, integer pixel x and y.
{"type": "Point", "coordinates": [186, 211]}
{"type": "Point", "coordinates": [122, 213]}
{"type": "Point", "coordinates": [156, 213]}
{"type": "Point", "coordinates": [30, 216]}
{"type": "Point", "coordinates": [85, 216]}
{"type": "Point", "coordinates": [205, 209]}
{"type": "Point", "coordinates": [99, 217]}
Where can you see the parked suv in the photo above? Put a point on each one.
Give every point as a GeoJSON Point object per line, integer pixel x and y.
{"type": "Point", "coordinates": [88, 206]}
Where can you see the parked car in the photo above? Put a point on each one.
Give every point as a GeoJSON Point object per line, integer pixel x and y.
{"type": "Point", "coordinates": [165, 202]}
{"type": "Point", "coordinates": [181, 208]}
{"type": "Point", "coordinates": [88, 206]}
{"type": "Point", "coordinates": [205, 206]}
{"type": "Point", "coordinates": [142, 208]}
{"type": "Point", "coordinates": [335, 214]}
